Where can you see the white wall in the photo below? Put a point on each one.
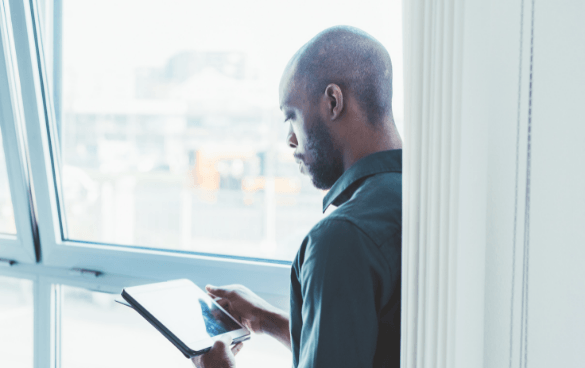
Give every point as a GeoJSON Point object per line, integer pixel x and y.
{"type": "Point", "coordinates": [555, 276]}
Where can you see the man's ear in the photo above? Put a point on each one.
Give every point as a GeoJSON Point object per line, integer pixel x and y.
{"type": "Point", "coordinates": [335, 103]}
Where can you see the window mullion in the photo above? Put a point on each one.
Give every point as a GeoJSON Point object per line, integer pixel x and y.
{"type": "Point", "coordinates": [47, 308]}
{"type": "Point", "coordinates": [35, 115]}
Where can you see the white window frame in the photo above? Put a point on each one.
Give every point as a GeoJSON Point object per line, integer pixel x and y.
{"type": "Point", "coordinates": [19, 247]}
{"type": "Point", "coordinates": [262, 276]}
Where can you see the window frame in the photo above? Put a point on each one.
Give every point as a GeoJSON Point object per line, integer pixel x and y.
{"type": "Point", "coordinates": [19, 247]}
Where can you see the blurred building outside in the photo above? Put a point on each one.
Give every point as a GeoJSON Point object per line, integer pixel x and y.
{"type": "Point", "coordinates": [193, 157]}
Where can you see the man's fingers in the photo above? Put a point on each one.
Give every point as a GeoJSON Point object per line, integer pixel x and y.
{"type": "Point", "coordinates": [220, 355]}
{"type": "Point", "coordinates": [236, 348]}
{"type": "Point", "coordinates": [216, 291]}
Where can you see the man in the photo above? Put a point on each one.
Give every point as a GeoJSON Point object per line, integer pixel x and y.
{"type": "Point", "coordinates": [336, 96]}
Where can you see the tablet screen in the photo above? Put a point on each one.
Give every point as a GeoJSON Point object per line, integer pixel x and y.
{"type": "Point", "coordinates": [186, 310]}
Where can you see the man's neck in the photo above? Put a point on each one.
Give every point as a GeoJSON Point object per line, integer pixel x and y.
{"type": "Point", "coordinates": [367, 141]}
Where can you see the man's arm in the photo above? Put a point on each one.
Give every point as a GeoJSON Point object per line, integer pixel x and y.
{"type": "Point", "coordinates": [276, 324]}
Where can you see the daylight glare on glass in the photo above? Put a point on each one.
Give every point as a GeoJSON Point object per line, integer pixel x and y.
{"type": "Point", "coordinates": [169, 125]}
{"type": "Point", "coordinates": [7, 223]}
{"type": "Point", "coordinates": [16, 322]}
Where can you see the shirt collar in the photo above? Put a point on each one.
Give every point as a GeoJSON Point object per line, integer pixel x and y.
{"type": "Point", "coordinates": [375, 163]}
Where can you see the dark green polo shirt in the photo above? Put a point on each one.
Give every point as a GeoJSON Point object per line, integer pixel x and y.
{"type": "Point", "coordinates": [345, 279]}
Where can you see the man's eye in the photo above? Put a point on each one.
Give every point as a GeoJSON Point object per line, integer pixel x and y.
{"type": "Point", "coordinates": [288, 117]}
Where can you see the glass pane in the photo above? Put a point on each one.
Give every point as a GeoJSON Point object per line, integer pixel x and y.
{"type": "Point", "coordinates": [7, 224]}
{"type": "Point", "coordinates": [115, 336]}
{"type": "Point", "coordinates": [171, 133]}
{"type": "Point", "coordinates": [16, 323]}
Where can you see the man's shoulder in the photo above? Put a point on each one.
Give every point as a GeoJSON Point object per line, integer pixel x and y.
{"type": "Point", "coordinates": [333, 230]}
{"type": "Point", "coordinates": [375, 207]}
{"type": "Point", "coordinates": [336, 245]}
{"type": "Point", "coordinates": [325, 226]}
{"type": "Point", "coordinates": [368, 224]}
{"type": "Point", "coordinates": [333, 233]}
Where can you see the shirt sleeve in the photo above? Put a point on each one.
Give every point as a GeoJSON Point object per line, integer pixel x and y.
{"type": "Point", "coordinates": [338, 285]}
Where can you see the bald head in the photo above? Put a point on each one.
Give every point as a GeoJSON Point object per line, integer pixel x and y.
{"type": "Point", "coordinates": [336, 95]}
{"type": "Point", "coordinates": [353, 60]}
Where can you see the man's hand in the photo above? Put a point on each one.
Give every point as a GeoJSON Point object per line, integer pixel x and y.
{"type": "Point", "coordinates": [220, 355]}
{"type": "Point", "coordinates": [245, 306]}
{"type": "Point", "coordinates": [253, 312]}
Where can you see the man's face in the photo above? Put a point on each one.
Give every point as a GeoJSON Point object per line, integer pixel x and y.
{"type": "Point", "coordinates": [315, 149]}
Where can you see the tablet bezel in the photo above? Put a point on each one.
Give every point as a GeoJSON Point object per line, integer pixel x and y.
{"type": "Point", "coordinates": [191, 348]}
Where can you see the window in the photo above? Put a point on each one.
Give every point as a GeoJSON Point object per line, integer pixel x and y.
{"type": "Point", "coordinates": [157, 150]}
{"type": "Point", "coordinates": [170, 134]}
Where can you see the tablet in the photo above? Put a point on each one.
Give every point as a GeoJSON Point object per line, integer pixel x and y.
{"type": "Point", "coordinates": [184, 314]}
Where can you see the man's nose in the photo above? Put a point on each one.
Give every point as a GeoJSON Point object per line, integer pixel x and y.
{"type": "Point", "coordinates": [291, 138]}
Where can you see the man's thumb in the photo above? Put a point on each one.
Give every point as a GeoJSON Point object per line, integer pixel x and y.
{"type": "Point", "coordinates": [225, 341]}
